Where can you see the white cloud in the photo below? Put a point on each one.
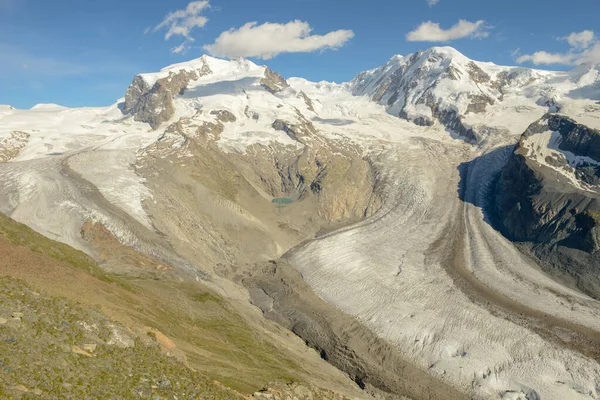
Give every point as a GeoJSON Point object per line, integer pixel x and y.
{"type": "Point", "coordinates": [581, 40]}
{"type": "Point", "coordinates": [181, 49]}
{"type": "Point", "coordinates": [270, 39]}
{"type": "Point", "coordinates": [432, 3]}
{"type": "Point", "coordinates": [182, 22]}
{"type": "Point", "coordinates": [585, 48]}
{"type": "Point", "coordinates": [543, 57]}
{"type": "Point", "coordinates": [591, 56]}
{"type": "Point", "coordinates": [431, 32]}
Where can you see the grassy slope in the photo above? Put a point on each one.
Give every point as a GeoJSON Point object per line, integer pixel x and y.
{"type": "Point", "coordinates": [217, 342]}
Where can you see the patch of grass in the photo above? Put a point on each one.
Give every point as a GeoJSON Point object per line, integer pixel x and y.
{"type": "Point", "coordinates": [36, 352]}
{"type": "Point", "coordinates": [218, 341]}
{"type": "Point", "coordinates": [21, 235]}
{"type": "Point", "coordinates": [206, 297]}
{"type": "Point", "coordinates": [594, 215]}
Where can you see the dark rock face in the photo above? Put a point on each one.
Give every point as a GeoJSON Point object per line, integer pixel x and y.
{"type": "Point", "coordinates": [477, 74]}
{"type": "Point", "coordinates": [223, 115]}
{"type": "Point", "coordinates": [137, 89]}
{"type": "Point", "coordinates": [535, 203]}
{"type": "Point", "coordinates": [280, 125]}
{"type": "Point", "coordinates": [273, 82]}
{"type": "Point", "coordinates": [307, 100]}
{"type": "Point", "coordinates": [155, 105]}
{"type": "Point", "coordinates": [588, 173]}
{"type": "Point", "coordinates": [576, 138]}
{"type": "Point", "coordinates": [401, 88]}
{"type": "Point", "coordinates": [538, 205]}
{"type": "Point", "coordinates": [300, 132]}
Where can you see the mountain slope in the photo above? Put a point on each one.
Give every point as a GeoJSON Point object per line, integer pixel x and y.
{"type": "Point", "coordinates": [473, 99]}
{"type": "Point", "coordinates": [144, 331]}
{"type": "Point", "coordinates": [548, 195]}
{"type": "Point", "coordinates": [354, 215]}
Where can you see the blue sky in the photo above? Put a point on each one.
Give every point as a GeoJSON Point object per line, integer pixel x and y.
{"type": "Point", "coordinates": [86, 52]}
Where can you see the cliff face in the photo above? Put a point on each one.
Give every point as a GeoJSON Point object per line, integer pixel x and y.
{"type": "Point", "coordinates": [576, 138]}
{"type": "Point", "coordinates": [543, 199]}
{"type": "Point", "coordinates": [154, 105]}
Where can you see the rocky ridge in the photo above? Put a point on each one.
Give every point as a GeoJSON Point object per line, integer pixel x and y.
{"type": "Point", "coordinates": [537, 202]}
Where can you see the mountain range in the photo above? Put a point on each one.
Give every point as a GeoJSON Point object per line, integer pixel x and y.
{"type": "Point", "coordinates": [431, 228]}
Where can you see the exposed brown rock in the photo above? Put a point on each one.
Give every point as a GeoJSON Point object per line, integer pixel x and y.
{"type": "Point", "coordinates": [223, 115]}
{"type": "Point", "coordinates": [155, 105]}
{"type": "Point", "coordinates": [115, 256]}
{"type": "Point", "coordinates": [11, 147]}
{"type": "Point", "coordinates": [273, 82]}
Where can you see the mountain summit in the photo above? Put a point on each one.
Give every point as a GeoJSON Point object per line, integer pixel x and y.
{"type": "Point", "coordinates": [442, 85]}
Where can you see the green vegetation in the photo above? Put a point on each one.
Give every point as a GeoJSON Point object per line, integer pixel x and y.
{"type": "Point", "coordinates": [217, 341]}
{"type": "Point", "coordinates": [38, 360]}
{"type": "Point", "coordinates": [206, 296]}
{"type": "Point", "coordinates": [594, 215]}
{"type": "Point", "coordinates": [21, 235]}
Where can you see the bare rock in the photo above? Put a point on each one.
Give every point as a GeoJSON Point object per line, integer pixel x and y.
{"type": "Point", "coordinates": [223, 115]}
{"type": "Point", "coordinates": [11, 146]}
{"type": "Point", "coordinates": [155, 105]}
{"type": "Point", "coordinates": [307, 100]}
{"type": "Point", "coordinates": [19, 388]}
{"type": "Point", "coordinates": [273, 82]}
{"type": "Point", "coordinates": [80, 351]}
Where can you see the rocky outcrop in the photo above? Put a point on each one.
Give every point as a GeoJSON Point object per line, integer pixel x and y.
{"type": "Point", "coordinates": [295, 391]}
{"type": "Point", "coordinates": [223, 115]}
{"type": "Point", "coordinates": [576, 138]}
{"type": "Point", "coordinates": [11, 146]}
{"type": "Point", "coordinates": [538, 204]}
{"type": "Point", "coordinates": [273, 82]}
{"type": "Point", "coordinates": [343, 183]}
{"type": "Point", "coordinates": [134, 92]}
{"type": "Point", "coordinates": [436, 85]}
{"type": "Point", "coordinates": [307, 100]}
{"type": "Point", "coordinates": [154, 105]}
{"type": "Point", "coordinates": [299, 132]}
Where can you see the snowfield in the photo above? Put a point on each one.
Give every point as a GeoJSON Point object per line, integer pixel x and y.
{"type": "Point", "coordinates": [425, 272]}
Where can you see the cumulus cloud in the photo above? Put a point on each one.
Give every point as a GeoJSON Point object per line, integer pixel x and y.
{"type": "Point", "coordinates": [181, 49]}
{"type": "Point", "coordinates": [270, 39]}
{"type": "Point", "coordinates": [585, 48]}
{"type": "Point", "coordinates": [432, 32]}
{"type": "Point", "coordinates": [543, 57]}
{"type": "Point", "coordinates": [590, 56]}
{"type": "Point", "coordinates": [182, 22]}
{"type": "Point", "coordinates": [581, 40]}
{"type": "Point", "coordinates": [432, 3]}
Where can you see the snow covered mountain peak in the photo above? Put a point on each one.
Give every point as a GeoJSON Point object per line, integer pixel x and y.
{"type": "Point", "coordinates": [441, 85]}
{"type": "Point", "coordinates": [47, 106]}
{"type": "Point", "coordinates": [6, 109]}
{"type": "Point", "coordinates": [218, 68]}
{"type": "Point", "coordinates": [151, 96]}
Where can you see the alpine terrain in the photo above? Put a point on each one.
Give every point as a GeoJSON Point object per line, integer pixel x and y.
{"type": "Point", "coordinates": [428, 230]}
